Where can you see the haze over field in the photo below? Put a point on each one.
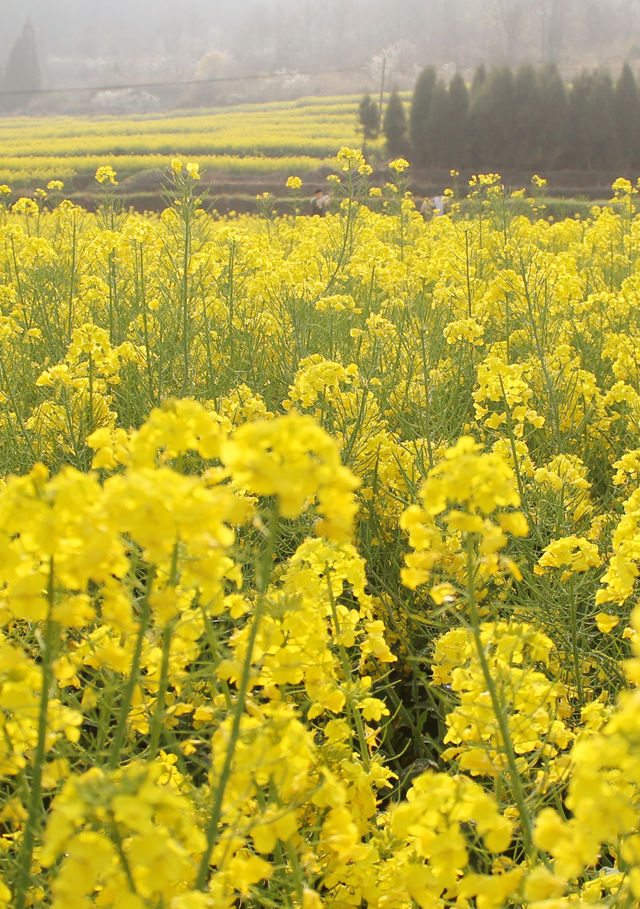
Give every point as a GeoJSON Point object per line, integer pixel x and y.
{"type": "Point", "coordinates": [80, 43]}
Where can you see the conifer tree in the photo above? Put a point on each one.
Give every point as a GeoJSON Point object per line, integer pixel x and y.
{"type": "Point", "coordinates": [593, 129]}
{"type": "Point", "coordinates": [627, 118]}
{"type": "Point", "coordinates": [457, 124]}
{"type": "Point", "coordinates": [602, 123]}
{"type": "Point", "coordinates": [554, 116]}
{"type": "Point", "coordinates": [395, 127]}
{"type": "Point", "coordinates": [479, 78]}
{"type": "Point", "coordinates": [419, 115]}
{"type": "Point", "coordinates": [529, 134]}
{"type": "Point", "coordinates": [492, 119]}
{"type": "Point", "coordinates": [437, 137]}
{"type": "Point", "coordinates": [528, 120]}
{"type": "Point", "coordinates": [579, 145]}
{"type": "Point", "coordinates": [369, 118]}
{"type": "Point", "coordinates": [22, 73]}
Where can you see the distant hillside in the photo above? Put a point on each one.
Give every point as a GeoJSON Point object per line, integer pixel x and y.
{"type": "Point", "coordinates": [155, 40]}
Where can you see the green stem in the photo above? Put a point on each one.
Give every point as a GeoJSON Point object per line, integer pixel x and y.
{"type": "Point", "coordinates": [145, 321]}
{"type": "Point", "coordinates": [156, 723]}
{"type": "Point", "coordinates": [354, 714]}
{"type": "Point", "coordinates": [25, 432]}
{"type": "Point", "coordinates": [112, 297]}
{"type": "Point", "coordinates": [118, 739]}
{"type": "Point", "coordinates": [344, 253]}
{"type": "Point", "coordinates": [468, 272]}
{"type": "Point", "coordinates": [213, 832]}
{"type": "Point", "coordinates": [90, 414]}
{"type": "Point", "coordinates": [184, 293]}
{"type": "Point", "coordinates": [574, 641]}
{"type": "Point", "coordinates": [230, 301]}
{"type": "Point", "coordinates": [211, 382]}
{"type": "Point", "coordinates": [296, 870]}
{"type": "Point", "coordinates": [498, 709]}
{"type": "Point", "coordinates": [516, 464]}
{"type": "Point", "coordinates": [35, 799]}
{"type": "Point", "coordinates": [541, 356]}
{"type": "Point", "coordinates": [72, 276]}
{"type": "Point", "coordinates": [216, 810]}
{"type": "Point", "coordinates": [427, 396]}
{"type": "Point", "coordinates": [122, 855]}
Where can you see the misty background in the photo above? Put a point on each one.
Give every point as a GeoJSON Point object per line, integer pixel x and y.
{"type": "Point", "coordinates": [84, 43]}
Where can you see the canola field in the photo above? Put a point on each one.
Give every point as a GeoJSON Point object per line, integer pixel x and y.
{"type": "Point", "coordinates": [260, 139]}
{"type": "Point", "coordinates": [319, 553]}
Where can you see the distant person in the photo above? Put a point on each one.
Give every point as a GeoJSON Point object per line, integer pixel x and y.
{"type": "Point", "coordinates": [427, 208]}
{"type": "Point", "coordinates": [438, 206]}
{"type": "Point", "coordinates": [319, 203]}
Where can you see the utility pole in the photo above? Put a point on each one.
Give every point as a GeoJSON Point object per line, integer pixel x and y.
{"type": "Point", "coordinates": [384, 67]}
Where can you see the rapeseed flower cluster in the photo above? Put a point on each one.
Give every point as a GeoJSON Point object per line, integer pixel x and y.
{"type": "Point", "coordinates": [319, 545]}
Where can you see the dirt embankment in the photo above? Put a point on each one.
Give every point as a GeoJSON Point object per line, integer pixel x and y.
{"type": "Point", "coordinates": [149, 191]}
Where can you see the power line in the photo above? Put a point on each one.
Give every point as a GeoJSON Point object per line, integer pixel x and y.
{"type": "Point", "coordinates": [278, 74]}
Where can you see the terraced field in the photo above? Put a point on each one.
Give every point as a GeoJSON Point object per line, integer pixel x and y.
{"type": "Point", "coordinates": [257, 139]}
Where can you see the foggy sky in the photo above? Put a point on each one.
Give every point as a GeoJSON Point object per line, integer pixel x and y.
{"type": "Point", "coordinates": [138, 37]}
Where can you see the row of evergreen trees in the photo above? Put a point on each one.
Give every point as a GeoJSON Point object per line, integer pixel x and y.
{"type": "Point", "coordinates": [22, 72]}
{"type": "Point", "coordinates": [527, 119]}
